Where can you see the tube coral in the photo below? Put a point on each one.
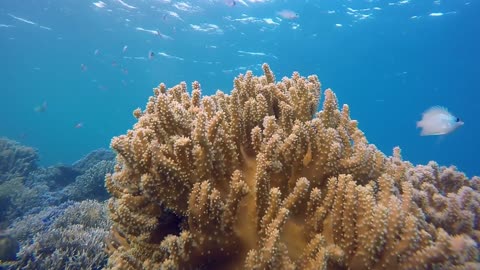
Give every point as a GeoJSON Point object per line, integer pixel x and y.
{"type": "Point", "coordinates": [259, 179]}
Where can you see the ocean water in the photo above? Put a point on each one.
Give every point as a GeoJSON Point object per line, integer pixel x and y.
{"type": "Point", "coordinates": [389, 60]}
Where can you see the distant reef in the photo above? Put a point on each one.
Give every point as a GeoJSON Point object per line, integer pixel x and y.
{"type": "Point", "coordinates": [49, 215]}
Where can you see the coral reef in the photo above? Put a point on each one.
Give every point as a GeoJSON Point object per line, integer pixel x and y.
{"type": "Point", "coordinates": [8, 248]}
{"type": "Point", "coordinates": [25, 228]}
{"type": "Point", "coordinates": [16, 199]}
{"type": "Point", "coordinates": [91, 184]}
{"type": "Point", "coordinates": [69, 236]}
{"type": "Point", "coordinates": [16, 163]}
{"type": "Point", "coordinates": [259, 179]}
{"type": "Point", "coordinates": [52, 234]}
{"type": "Point", "coordinates": [16, 159]}
{"type": "Point", "coordinates": [27, 189]}
{"type": "Point", "coordinates": [93, 158]}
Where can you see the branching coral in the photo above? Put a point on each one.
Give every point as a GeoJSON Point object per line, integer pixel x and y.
{"type": "Point", "coordinates": [89, 185]}
{"type": "Point", "coordinates": [258, 180]}
{"type": "Point", "coordinates": [69, 236]}
{"type": "Point", "coordinates": [16, 159]}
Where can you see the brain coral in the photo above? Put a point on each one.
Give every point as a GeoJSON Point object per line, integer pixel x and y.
{"type": "Point", "coordinates": [258, 179]}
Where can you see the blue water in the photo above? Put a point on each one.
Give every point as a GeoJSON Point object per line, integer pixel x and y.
{"type": "Point", "coordinates": [388, 66]}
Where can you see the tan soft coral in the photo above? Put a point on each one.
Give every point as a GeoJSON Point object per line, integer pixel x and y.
{"type": "Point", "coordinates": [258, 180]}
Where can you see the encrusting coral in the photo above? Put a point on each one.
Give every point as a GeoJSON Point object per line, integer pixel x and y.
{"type": "Point", "coordinates": [259, 179]}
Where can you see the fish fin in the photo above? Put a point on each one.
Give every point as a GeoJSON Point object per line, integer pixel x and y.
{"type": "Point", "coordinates": [433, 134]}
{"type": "Point", "coordinates": [425, 133]}
{"type": "Point", "coordinates": [437, 109]}
{"type": "Point", "coordinates": [437, 114]}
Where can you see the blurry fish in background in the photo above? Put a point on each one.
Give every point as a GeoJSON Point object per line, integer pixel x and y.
{"type": "Point", "coordinates": [174, 15]}
{"type": "Point", "coordinates": [83, 67]}
{"type": "Point", "coordinates": [243, 3]}
{"type": "Point", "coordinates": [28, 22]}
{"type": "Point", "coordinates": [79, 125]}
{"type": "Point", "coordinates": [438, 121]}
{"type": "Point", "coordinates": [124, 49]}
{"type": "Point", "coordinates": [126, 5]}
{"type": "Point", "coordinates": [155, 32]}
{"type": "Point", "coordinates": [151, 55]}
{"type": "Point", "coordinates": [230, 3]}
{"type": "Point", "coordinates": [22, 19]}
{"type": "Point", "coordinates": [288, 14]}
{"type": "Point", "coordinates": [163, 36]}
{"type": "Point", "coordinates": [100, 4]}
{"type": "Point", "coordinates": [41, 108]}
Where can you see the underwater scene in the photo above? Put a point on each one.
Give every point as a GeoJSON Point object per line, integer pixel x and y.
{"type": "Point", "coordinates": [239, 134]}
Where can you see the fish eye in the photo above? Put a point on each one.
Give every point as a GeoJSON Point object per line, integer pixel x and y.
{"type": "Point", "coordinates": [458, 119]}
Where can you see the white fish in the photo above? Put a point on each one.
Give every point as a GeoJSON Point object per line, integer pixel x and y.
{"type": "Point", "coordinates": [270, 21]}
{"type": "Point", "coordinates": [288, 14]}
{"type": "Point", "coordinates": [22, 19]}
{"type": "Point", "coordinates": [253, 53]}
{"type": "Point", "coordinates": [438, 14]}
{"type": "Point", "coordinates": [256, 54]}
{"type": "Point", "coordinates": [28, 21]}
{"type": "Point", "coordinates": [170, 56]}
{"type": "Point", "coordinates": [438, 121]}
{"type": "Point", "coordinates": [44, 27]}
{"type": "Point", "coordinates": [243, 3]}
{"type": "Point", "coordinates": [175, 15]}
{"type": "Point", "coordinates": [155, 32]}
{"type": "Point", "coordinates": [126, 5]}
{"type": "Point", "coordinates": [100, 4]}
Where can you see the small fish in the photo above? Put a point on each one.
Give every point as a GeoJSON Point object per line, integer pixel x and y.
{"type": "Point", "coordinates": [288, 14]}
{"type": "Point", "coordinates": [173, 14]}
{"type": "Point", "coordinates": [163, 36]}
{"type": "Point", "coordinates": [126, 5]}
{"type": "Point", "coordinates": [438, 121]}
{"type": "Point", "coordinates": [151, 55]}
{"type": "Point", "coordinates": [124, 49]}
{"type": "Point", "coordinates": [83, 67]}
{"type": "Point", "coordinates": [100, 4]}
{"type": "Point", "coordinates": [41, 108]}
{"type": "Point", "coordinates": [230, 3]}
{"type": "Point", "coordinates": [96, 52]}
{"type": "Point", "coordinates": [79, 125]}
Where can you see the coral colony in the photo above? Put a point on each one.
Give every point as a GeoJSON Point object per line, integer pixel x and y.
{"type": "Point", "coordinates": [258, 179]}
